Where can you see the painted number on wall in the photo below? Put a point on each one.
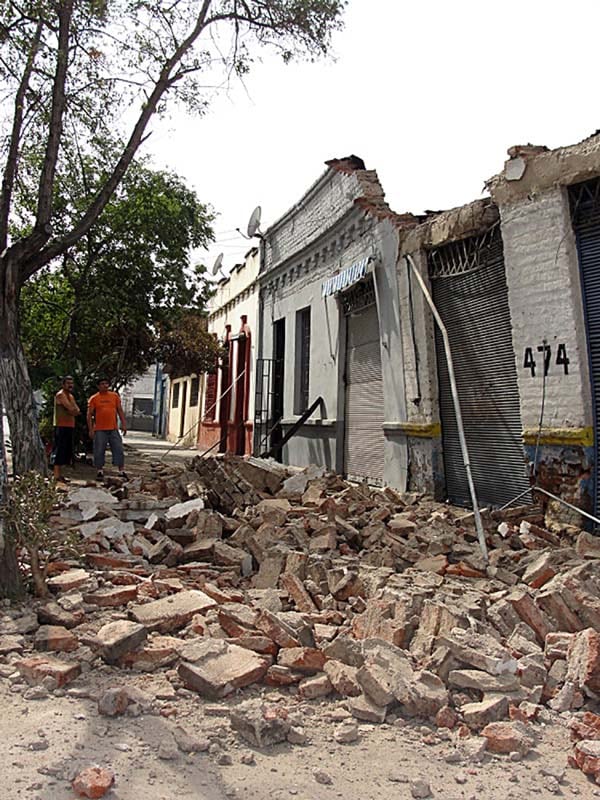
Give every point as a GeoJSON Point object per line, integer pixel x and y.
{"type": "Point", "coordinates": [545, 358]}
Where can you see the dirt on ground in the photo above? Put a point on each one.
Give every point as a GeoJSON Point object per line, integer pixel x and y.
{"type": "Point", "coordinates": [235, 630]}
{"type": "Point", "coordinates": [45, 743]}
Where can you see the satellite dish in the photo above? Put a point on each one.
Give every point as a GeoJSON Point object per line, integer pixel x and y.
{"type": "Point", "coordinates": [254, 223]}
{"type": "Point", "coordinates": [217, 264]}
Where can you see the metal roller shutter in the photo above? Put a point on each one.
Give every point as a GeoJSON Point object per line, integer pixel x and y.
{"type": "Point", "coordinates": [364, 439]}
{"type": "Point", "coordinates": [585, 208]}
{"type": "Point", "coordinates": [470, 292]}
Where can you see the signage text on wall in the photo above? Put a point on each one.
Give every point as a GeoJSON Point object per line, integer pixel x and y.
{"type": "Point", "coordinates": [561, 358]}
{"type": "Point", "coordinates": [345, 278]}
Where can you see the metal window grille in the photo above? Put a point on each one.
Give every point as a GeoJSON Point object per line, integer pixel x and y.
{"type": "Point", "coordinates": [266, 415]}
{"type": "Point", "coordinates": [585, 201]}
{"type": "Point", "coordinates": [359, 296]}
{"type": "Point", "coordinates": [194, 391]}
{"type": "Point", "coordinates": [466, 255]}
{"type": "Point", "coordinates": [585, 215]}
{"type": "Point", "coordinates": [175, 400]}
{"type": "Point", "coordinates": [303, 360]}
{"type": "Point", "coordinates": [211, 397]}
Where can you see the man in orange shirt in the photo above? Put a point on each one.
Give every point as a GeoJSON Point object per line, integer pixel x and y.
{"type": "Point", "coordinates": [65, 411]}
{"type": "Point", "coordinates": [103, 409]}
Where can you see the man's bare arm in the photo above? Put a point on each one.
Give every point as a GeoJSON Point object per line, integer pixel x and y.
{"type": "Point", "coordinates": [121, 416]}
{"type": "Point", "coordinates": [67, 401]}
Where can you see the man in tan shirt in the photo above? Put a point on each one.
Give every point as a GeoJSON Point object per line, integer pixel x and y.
{"type": "Point", "coordinates": [65, 411]}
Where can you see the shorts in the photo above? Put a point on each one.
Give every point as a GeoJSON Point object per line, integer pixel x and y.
{"type": "Point", "coordinates": [62, 451]}
{"type": "Point", "coordinates": [113, 439]}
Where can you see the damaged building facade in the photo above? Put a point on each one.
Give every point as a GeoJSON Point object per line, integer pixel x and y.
{"type": "Point", "coordinates": [329, 331]}
{"type": "Point", "coordinates": [227, 402]}
{"type": "Point", "coordinates": [343, 321]}
{"type": "Point", "coordinates": [514, 278]}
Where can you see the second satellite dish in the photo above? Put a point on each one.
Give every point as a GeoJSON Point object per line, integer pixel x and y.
{"type": "Point", "coordinates": [254, 223]}
{"type": "Point", "coordinates": [217, 264]}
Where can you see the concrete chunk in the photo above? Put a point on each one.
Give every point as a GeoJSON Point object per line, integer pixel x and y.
{"type": "Point", "coordinates": [481, 651]}
{"type": "Point", "coordinates": [115, 639]}
{"type": "Point", "coordinates": [260, 725]}
{"type": "Point", "coordinates": [364, 708]}
{"type": "Point", "coordinates": [490, 709]}
{"type": "Point", "coordinates": [583, 661]}
{"type": "Point", "coordinates": [482, 681]}
{"type": "Point", "coordinates": [173, 612]}
{"type": "Point", "coordinates": [220, 668]}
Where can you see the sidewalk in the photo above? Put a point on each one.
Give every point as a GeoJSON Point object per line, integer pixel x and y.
{"type": "Point", "coordinates": [158, 449]}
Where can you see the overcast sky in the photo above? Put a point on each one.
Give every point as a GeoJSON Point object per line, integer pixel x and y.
{"type": "Point", "coordinates": [429, 94]}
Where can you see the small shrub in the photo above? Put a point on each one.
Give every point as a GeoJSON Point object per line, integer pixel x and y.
{"type": "Point", "coordinates": [30, 502]}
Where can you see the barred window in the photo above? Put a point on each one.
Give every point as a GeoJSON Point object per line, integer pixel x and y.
{"type": "Point", "coordinates": [211, 397]}
{"type": "Point", "coordinates": [302, 360]}
{"type": "Point", "coordinates": [194, 391]}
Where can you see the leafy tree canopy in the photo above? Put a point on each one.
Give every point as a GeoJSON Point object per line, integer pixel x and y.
{"type": "Point", "coordinates": [100, 309]}
{"type": "Point", "coordinates": [186, 347]}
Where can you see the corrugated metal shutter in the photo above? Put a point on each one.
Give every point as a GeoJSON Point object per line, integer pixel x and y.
{"type": "Point", "coordinates": [364, 439]}
{"type": "Point", "coordinates": [585, 206]}
{"type": "Point", "coordinates": [474, 307]}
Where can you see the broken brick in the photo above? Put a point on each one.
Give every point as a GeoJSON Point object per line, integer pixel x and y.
{"type": "Point", "coordinates": [93, 782]}
{"type": "Point", "coordinates": [36, 668]}
{"type": "Point", "coordinates": [115, 639]}
{"type": "Point", "coordinates": [302, 659]}
{"type": "Point", "coordinates": [295, 589]}
{"type": "Point", "coordinates": [508, 737]}
{"type": "Point", "coordinates": [55, 637]}
{"type": "Point", "coordinates": [112, 596]}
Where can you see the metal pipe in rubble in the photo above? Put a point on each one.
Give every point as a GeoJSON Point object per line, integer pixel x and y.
{"type": "Point", "coordinates": [456, 401]}
{"type": "Point", "coordinates": [565, 503]}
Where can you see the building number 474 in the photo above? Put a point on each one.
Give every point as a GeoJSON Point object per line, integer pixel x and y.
{"type": "Point", "coordinates": [561, 358]}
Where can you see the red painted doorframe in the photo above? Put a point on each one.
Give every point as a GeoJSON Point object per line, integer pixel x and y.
{"type": "Point", "coordinates": [225, 402]}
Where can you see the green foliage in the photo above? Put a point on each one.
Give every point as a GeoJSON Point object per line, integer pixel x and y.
{"type": "Point", "coordinates": [117, 53]}
{"type": "Point", "coordinates": [100, 310]}
{"type": "Point", "coordinates": [30, 503]}
{"type": "Point", "coordinates": [188, 348]}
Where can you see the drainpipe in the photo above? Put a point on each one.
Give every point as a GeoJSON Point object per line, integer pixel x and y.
{"type": "Point", "coordinates": [456, 401]}
{"type": "Point", "coordinates": [261, 326]}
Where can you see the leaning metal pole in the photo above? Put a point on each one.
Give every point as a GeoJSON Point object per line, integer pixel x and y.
{"type": "Point", "coordinates": [456, 402]}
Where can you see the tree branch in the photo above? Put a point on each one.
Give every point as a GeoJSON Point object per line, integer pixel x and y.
{"type": "Point", "coordinates": [12, 162]}
{"type": "Point", "coordinates": [163, 83]}
{"type": "Point", "coordinates": [44, 208]}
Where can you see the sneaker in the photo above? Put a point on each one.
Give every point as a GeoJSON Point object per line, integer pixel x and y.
{"type": "Point", "coordinates": [100, 475]}
{"type": "Point", "coordinates": [123, 475]}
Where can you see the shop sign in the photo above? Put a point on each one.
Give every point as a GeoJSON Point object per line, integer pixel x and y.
{"type": "Point", "coordinates": [345, 278]}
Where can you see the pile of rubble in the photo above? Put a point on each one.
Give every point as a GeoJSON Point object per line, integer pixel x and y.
{"type": "Point", "coordinates": [237, 572]}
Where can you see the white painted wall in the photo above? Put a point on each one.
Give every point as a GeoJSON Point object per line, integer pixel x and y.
{"type": "Point", "coordinates": [325, 233]}
{"type": "Point", "coordinates": [236, 297]}
{"type": "Point", "coordinates": [143, 386]}
{"type": "Point", "coordinates": [191, 412]}
{"type": "Point", "coordinates": [545, 298]}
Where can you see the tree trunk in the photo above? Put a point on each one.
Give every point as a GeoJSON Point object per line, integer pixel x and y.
{"type": "Point", "coordinates": [11, 584]}
{"type": "Point", "coordinates": [15, 384]}
{"type": "Point", "coordinates": [37, 573]}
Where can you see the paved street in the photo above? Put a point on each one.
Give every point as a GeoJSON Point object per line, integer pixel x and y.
{"type": "Point", "coordinates": [158, 449]}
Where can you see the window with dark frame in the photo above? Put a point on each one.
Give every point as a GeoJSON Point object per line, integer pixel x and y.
{"type": "Point", "coordinates": [175, 398]}
{"type": "Point", "coordinates": [194, 391]}
{"type": "Point", "coordinates": [302, 360]}
{"type": "Point", "coordinates": [210, 394]}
